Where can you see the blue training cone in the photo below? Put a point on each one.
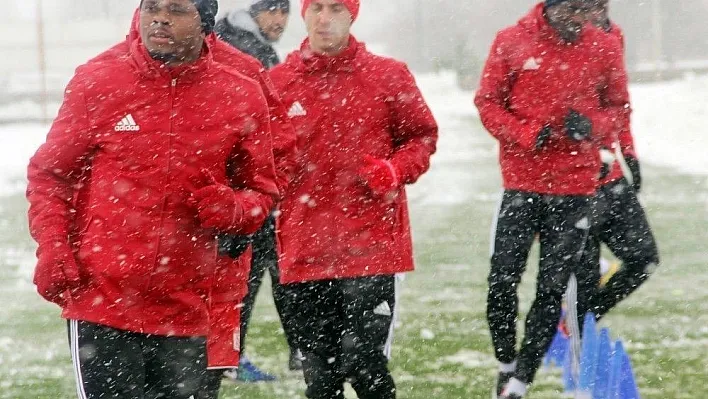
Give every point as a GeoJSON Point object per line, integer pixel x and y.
{"type": "Point", "coordinates": [613, 387]}
{"type": "Point", "coordinates": [588, 356]}
{"type": "Point", "coordinates": [602, 374]}
{"type": "Point", "coordinates": [628, 385]}
{"type": "Point", "coordinates": [557, 351]}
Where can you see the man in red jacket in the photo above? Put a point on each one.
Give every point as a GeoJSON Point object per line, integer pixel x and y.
{"type": "Point", "coordinates": [230, 288]}
{"type": "Point", "coordinates": [155, 151]}
{"type": "Point", "coordinates": [619, 219]}
{"type": "Point", "coordinates": [364, 132]}
{"type": "Point", "coordinates": [552, 93]}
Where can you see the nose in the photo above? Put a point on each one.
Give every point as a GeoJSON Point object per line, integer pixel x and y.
{"type": "Point", "coordinates": [324, 17]}
{"type": "Point", "coordinates": [162, 16]}
{"type": "Point", "coordinates": [282, 19]}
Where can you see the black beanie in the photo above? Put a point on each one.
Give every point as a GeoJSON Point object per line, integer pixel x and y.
{"type": "Point", "coordinates": [207, 11]}
{"type": "Point", "coordinates": [264, 5]}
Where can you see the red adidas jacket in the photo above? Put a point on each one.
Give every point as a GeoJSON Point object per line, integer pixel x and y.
{"type": "Point", "coordinates": [114, 178]}
{"type": "Point", "coordinates": [624, 136]}
{"type": "Point", "coordinates": [230, 283]}
{"type": "Point", "coordinates": [283, 135]}
{"type": "Point", "coordinates": [343, 109]}
{"type": "Point", "coordinates": [532, 79]}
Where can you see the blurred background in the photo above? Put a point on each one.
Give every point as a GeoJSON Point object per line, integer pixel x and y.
{"type": "Point", "coordinates": [44, 40]}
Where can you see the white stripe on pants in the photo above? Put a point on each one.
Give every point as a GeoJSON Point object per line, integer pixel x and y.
{"type": "Point", "coordinates": [396, 310]}
{"type": "Point", "coordinates": [76, 358]}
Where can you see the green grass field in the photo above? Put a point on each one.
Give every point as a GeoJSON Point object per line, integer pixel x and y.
{"type": "Point", "coordinates": [442, 349]}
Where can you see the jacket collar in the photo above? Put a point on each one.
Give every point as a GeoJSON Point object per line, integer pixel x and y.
{"type": "Point", "coordinates": [346, 61]}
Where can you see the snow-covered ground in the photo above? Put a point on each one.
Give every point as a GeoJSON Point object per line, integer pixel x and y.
{"type": "Point", "coordinates": [451, 246]}
{"type": "Point", "coordinates": [669, 123]}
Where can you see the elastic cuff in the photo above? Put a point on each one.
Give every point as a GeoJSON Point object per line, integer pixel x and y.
{"type": "Point", "coordinates": [393, 171]}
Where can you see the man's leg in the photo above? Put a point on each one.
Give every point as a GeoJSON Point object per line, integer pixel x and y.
{"type": "Point", "coordinates": [283, 302]}
{"type": "Point", "coordinates": [513, 232]}
{"type": "Point", "coordinates": [588, 279]}
{"type": "Point", "coordinates": [368, 314]}
{"type": "Point", "coordinates": [587, 271]}
{"type": "Point", "coordinates": [108, 363]}
{"type": "Point", "coordinates": [565, 227]}
{"type": "Point", "coordinates": [211, 384]}
{"type": "Point", "coordinates": [259, 264]}
{"type": "Point", "coordinates": [175, 366]}
{"type": "Point", "coordinates": [319, 323]}
{"type": "Point", "coordinates": [630, 238]}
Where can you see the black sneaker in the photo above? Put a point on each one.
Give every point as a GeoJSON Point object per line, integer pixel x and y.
{"type": "Point", "coordinates": [511, 396]}
{"type": "Point", "coordinates": [502, 379]}
{"type": "Point", "coordinates": [295, 361]}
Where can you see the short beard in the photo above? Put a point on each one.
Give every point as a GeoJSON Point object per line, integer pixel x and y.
{"type": "Point", "coordinates": [165, 58]}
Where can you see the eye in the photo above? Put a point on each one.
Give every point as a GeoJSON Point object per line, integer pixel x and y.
{"type": "Point", "coordinates": [178, 9]}
{"type": "Point", "coordinates": [150, 6]}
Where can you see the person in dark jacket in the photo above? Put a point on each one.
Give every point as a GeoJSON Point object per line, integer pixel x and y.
{"type": "Point", "coordinates": [256, 29]}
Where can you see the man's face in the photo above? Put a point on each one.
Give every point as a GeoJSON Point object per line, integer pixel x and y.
{"type": "Point", "coordinates": [272, 23]}
{"type": "Point", "coordinates": [171, 30]}
{"type": "Point", "coordinates": [599, 14]}
{"type": "Point", "coordinates": [568, 18]}
{"type": "Point", "coordinates": [328, 23]}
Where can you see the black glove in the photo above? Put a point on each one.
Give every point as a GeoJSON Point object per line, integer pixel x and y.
{"type": "Point", "coordinates": [542, 137]}
{"type": "Point", "coordinates": [633, 165]}
{"type": "Point", "coordinates": [579, 127]}
{"type": "Point", "coordinates": [234, 246]}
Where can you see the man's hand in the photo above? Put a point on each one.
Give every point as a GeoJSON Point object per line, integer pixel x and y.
{"type": "Point", "coordinates": [542, 137]}
{"type": "Point", "coordinates": [380, 176]}
{"type": "Point", "coordinates": [218, 207]}
{"type": "Point", "coordinates": [56, 271]}
{"type": "Point", "coordinates": [633, 165]}
{"type": "Point", "coordinates": [578, 126]}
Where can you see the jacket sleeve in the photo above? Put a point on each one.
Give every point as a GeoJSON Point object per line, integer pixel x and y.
{"type": "Point", "coordinates": [613, 118]}
{"type": "Point", "coordinates": [415, 131]}
{"type": "Point", "coordinates": [626, 141]}
{"type": "Point", "coordinates": [253, 172]}
{"type": "Point", "coordinates": [283, 135]}
{"type": "Point", "coordinates": [492, 101]}
{"type": "Point", "coordinates": [56, 168]}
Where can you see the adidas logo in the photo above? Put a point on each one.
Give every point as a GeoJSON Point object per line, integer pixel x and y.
{"type": "Point", "coordinates": [297, 110]}
{"type": "Point", "coordinates": [127, 124]}
{"type": "Point", "coordinates": [532, 64]}
{"type": "Point", "coordinates": [383, 309]}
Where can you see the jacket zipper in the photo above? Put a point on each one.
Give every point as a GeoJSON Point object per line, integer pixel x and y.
{"type": "Point", "coordinates": [163, 205]}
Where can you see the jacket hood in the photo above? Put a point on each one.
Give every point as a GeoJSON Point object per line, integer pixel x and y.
{"type": "Point", "coordinates": [534, 22]}
{"type": "Point", "coordinates": [242, 19]}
